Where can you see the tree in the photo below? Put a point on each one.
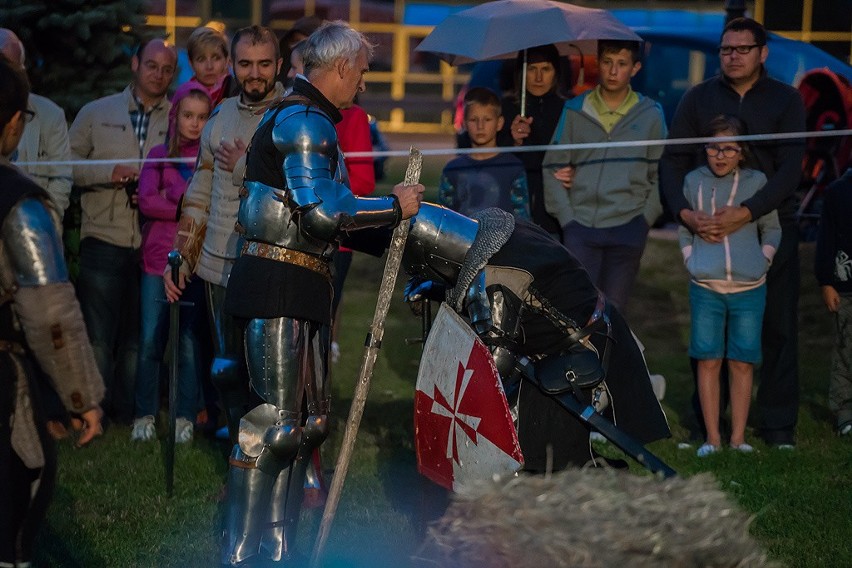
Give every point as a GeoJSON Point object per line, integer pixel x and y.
{"type": "Point", "coordinates": [76, 50]}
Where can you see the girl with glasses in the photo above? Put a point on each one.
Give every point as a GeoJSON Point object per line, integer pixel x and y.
{"type": "Point", "coordinates": [727, 291]}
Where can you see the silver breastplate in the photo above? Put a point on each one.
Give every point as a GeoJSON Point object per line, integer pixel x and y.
{"type": "Point", "coordinates": [313, 171]}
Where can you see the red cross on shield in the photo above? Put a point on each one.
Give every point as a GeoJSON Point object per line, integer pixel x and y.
{"type": "Point", "coordinates": [463, 428]}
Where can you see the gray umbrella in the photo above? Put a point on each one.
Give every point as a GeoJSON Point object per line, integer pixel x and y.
{"type": "Point", "coordinates": [500, 29]}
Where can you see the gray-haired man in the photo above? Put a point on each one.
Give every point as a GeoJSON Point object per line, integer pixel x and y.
{"type": "Point", "coordinates": [296, 207]}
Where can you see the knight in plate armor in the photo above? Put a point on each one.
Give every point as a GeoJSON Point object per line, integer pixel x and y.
{"type": "Point", "coordinates": [41, 330]}
{"type": "Point", "coordinates": [295, 209]}
{"type": "Point", "coordinates": [533, 305]}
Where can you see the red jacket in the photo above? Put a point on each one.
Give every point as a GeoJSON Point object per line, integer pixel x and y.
{"type": "Point", "coordinates": [353, 134]}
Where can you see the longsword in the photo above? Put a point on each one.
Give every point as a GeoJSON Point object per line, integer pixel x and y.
{"type": "Point", "coordinates": [371, 351]}
{"type": "Point", "coordinates": [175, 261]}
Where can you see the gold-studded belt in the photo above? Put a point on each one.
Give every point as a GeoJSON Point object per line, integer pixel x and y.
{"type": "Point", "coordinates": [290, 256]}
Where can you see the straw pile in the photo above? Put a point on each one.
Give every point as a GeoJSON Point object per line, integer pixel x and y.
{"type": "Point", "coordinates": [586, 518]}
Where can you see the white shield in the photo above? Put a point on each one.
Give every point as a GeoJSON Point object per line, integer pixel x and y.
{"type": "Point", "coordinates": [463, 428]}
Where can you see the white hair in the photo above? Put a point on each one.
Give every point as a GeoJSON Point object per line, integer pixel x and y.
{"type": "Point", "coordinates": [330, 42]}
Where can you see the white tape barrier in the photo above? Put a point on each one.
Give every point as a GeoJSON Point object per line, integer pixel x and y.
{"type": "Point", "coordinates": [460, 151]}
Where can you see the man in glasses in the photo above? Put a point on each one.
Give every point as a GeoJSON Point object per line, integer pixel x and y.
{"type": "Point", "coordinates": [765, 106]}
{"type": "Point", "coordinates": [122, 126]}
{"type": "Point", "coordinates": [41, 332]}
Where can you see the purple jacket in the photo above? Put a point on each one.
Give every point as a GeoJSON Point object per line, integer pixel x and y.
{"type": "Point", "coordinates": [161, 186]}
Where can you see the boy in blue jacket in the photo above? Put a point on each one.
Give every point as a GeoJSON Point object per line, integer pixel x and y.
{"type": "Point", "coordinates": [474, 182]}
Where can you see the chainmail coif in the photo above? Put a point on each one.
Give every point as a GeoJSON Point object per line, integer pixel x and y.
{"type": "Point", "coordinates": [495, 228]}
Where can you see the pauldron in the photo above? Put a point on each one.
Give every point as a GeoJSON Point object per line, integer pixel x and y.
{"type": "Point", "coordinates": [33, 245]}
{"type": "Point", "coordinates": [307, 139]}
{"type": "Point", "coordinates": [316, 205]}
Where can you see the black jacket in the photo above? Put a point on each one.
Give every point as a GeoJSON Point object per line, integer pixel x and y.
{"type": "Point", "coordinates": [545, 427]}
{"type": "Point", "coordinates": [545, 112]}
{"type": "Point", "coordinates": [769, 107]}
{"type": "Point", "coordinates": [833, 262]}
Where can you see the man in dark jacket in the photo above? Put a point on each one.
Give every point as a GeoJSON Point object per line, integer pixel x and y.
{"type": "Point", "coordinates": [833, 267]}
{"type": "Point", "coordinates": [765, 106]}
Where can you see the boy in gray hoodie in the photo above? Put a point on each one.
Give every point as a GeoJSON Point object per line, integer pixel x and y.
{"type": "Point", "coordinates": [606, 198]}
{"type": "Point", "coordinates": [727, 292]}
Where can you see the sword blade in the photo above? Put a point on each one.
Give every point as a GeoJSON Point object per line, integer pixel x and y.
{"type": "Point", "coordinates": [174, 260]}
{"type": "Point", "coordinates": [174, 335]}
{"type": "Point", "coordinates": [371, 351]}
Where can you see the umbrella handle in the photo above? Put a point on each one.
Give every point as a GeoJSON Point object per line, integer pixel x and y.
{"type": "Point", "coordinates": [524, 87]}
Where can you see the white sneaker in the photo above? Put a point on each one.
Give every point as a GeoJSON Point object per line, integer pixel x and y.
{"type": "Point", "coordinates": [183, 430]}
{"type": "Point", "coordinates": [143, 429]}
{"type": "Point", "coordinates": [706, 450]}
{"type": "Point", "coordinates": [335, 352]}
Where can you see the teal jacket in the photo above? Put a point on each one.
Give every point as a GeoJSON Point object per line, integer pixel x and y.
{"type": "Point", "coordinates": [611, 186]}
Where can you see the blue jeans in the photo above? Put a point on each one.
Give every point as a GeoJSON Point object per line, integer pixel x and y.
{"type": "Point", "coordinates": [154, 333]}
{"type": "Point", "coordinates": [108, 290]}
{"type": "Point", "coordinates": [726, 326]}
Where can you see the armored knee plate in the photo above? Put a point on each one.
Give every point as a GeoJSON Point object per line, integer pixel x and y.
{"type": "Point", "coordinates": [314, 434]}
{"type": "Point", "coordinates": [272, 436]}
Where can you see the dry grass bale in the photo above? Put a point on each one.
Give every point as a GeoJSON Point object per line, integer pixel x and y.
{"type": "Point", "coordinates": [586, 518]}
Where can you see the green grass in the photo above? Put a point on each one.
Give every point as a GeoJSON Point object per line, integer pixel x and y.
{"type": "Point", "coordinates": [110, 507]}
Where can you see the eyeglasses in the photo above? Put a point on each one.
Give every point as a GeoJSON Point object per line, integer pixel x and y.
{"type": "Point", "coordinates": [29, 116]}
{"type": "Point", "coordinates": [727, 151]}
{"type": "Point", "coordinates": [741, 49]}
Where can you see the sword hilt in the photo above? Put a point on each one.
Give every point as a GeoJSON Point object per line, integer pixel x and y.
{"type": "Point", "coordinates": [175, 261]}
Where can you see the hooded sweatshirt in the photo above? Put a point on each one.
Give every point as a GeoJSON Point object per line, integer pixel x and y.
{"type": "Point", "coordinates": [740, 261]}
{"type": "Point", "coordinates": [161, 188]}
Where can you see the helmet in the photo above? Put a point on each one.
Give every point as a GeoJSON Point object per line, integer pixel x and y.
{"type": "Point", "coordinates": [437, 243]}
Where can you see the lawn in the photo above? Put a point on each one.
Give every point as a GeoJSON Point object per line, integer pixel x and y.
{"type": "Point", "coordinates": [110, 508]}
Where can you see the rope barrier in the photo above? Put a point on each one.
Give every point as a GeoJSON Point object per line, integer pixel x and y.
{"type": "Point", "coordinates": [499, 149]}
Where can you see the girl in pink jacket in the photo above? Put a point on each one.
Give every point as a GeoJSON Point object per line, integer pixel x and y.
{"type": "Point", "coordinates": [162, 184]}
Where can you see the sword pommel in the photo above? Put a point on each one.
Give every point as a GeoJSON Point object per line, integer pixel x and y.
{"type": "Point", "coordinates": [175, 260]}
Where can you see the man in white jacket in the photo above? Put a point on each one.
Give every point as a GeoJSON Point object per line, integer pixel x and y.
{"type": "Point", "coordinates": [206, 238]}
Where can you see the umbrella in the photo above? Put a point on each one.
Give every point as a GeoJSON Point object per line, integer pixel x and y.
{"type": "Point", "coordinates": [499, 29]}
